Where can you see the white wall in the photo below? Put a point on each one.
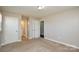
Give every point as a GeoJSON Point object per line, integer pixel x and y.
{"type": "Point", "coordinates": [0, 21]}
{"type": "Point", "coordinates": [34, 28]}
{"type": "Point", "coordinates": [63, 27]}
{"type": "Point", "coordinates": [0, 37]}
{"type": "Point", "coordinates": [0, 28]}
{"type": "Point", "coordinates": [11, 24]}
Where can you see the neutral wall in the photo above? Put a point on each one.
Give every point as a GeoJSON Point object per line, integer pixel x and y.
{"type": "Point", "coordinates": [63, 27]}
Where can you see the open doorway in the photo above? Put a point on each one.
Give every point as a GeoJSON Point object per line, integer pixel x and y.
{"type": "Point", "coordinates": [42, 29]}
{"type": "Point", "coordinates": [24, 28]}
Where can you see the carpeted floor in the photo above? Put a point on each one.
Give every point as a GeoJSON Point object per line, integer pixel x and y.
{"type": "Point", "coordinates": [37, 45]}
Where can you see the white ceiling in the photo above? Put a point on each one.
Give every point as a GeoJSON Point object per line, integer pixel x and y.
{"type": "Point", "coordinates": [33, 11]}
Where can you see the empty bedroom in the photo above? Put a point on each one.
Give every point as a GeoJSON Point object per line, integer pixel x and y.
{"type": "Point", "coordinates": [39, 29]}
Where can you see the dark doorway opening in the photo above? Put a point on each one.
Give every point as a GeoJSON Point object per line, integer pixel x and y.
{"type": "Point", "coordinates": [42, 29]}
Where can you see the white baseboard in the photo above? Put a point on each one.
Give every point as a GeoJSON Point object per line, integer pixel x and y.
{"type": "Point", "coordinates": [2, 44]}
{"type": "Point", "coordinates": [33, 38]}
{"type": "Point", "coordinates": [62, 43]}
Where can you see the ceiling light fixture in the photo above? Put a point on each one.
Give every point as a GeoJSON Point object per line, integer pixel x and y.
{"type": "Point", "coordinates": [40, 7]}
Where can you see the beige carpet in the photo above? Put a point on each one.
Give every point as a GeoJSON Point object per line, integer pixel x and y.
{"type": "Point", "coordinates": [37, 45]}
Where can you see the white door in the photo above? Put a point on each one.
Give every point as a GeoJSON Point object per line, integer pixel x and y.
{"type": "Point", "coordinates": [11, 29]}
{"type": "Point", "coordinates": [36, 29]}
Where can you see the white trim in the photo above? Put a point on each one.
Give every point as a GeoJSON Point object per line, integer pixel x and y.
{"type": "Point", "coordinates": [62, 43]}
{"type": "Point", "coordinates": [2, 44]}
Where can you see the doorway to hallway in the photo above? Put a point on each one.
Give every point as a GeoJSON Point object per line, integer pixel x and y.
{"type": "Point", "coordinates": [42, 29]}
